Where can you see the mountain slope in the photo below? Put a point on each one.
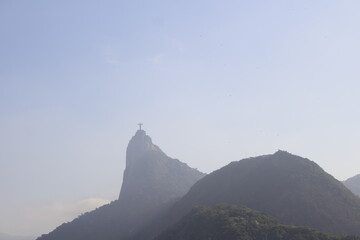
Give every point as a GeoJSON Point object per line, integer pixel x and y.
{"type": "Point", "coordinates": [353, 184]}
{"type": "Point", "coordinates": [294, 190]}
{"type": "Point", "coordinates": [236, 223]}
{"type": "Point", "coordinates": [151, 178]}
{"type": "Point", "coordinates": [152, 182]}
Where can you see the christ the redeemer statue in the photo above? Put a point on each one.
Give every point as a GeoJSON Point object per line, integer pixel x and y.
{"type": "Point", "coordinates": [140, 124]}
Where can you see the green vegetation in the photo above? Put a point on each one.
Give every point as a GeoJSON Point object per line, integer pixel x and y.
{"type": "Point", "coordinates": [294, 190]}
{"type": "Point", "coordinates": [233, 222]}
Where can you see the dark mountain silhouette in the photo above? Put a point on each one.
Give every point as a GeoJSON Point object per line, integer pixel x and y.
{"type": "Point", "coordinates": [353, 184]}
{"type": "Point", "coordinates": [294, 190]}
{"type": "Point", "coordinates": [152, 182]}
{"type": "Point", "coordinates": [237, 223]}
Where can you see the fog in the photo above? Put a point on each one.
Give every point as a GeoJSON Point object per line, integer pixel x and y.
{"type": "Point", "coordinates": [212, 81]}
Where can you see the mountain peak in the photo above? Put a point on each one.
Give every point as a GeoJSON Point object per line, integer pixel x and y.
{"type": "Point", "coordinates": [282, 152]}
{"type": "Point", "coordinates": [140, 132]}
{"type": "Point", "coordinates": [150, 176]}
{"type": "Point", "coordinates": [139, 145]}
{"type": "Point", "coordinates": [152, 181]}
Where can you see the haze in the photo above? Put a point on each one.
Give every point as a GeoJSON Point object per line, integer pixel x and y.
{"type": "Point", "coordinates": [212, 81]}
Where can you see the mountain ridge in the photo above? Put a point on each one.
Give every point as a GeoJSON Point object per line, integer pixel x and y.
{"type": "Point", "coordinates": [157, 191]}
{"type": "Point", "coordinates": [294, 190]}
{"type": "Point", "coordinates": [152, 182]}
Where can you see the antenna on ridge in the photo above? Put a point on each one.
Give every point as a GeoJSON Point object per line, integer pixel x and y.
{"type": "Point", "coordinates": [140, 124]}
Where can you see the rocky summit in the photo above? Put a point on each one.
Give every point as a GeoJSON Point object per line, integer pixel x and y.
{"type": "Point", "coordinates": [151, 178]}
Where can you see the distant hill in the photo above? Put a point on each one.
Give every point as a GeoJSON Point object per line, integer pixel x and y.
{"type": "Point", "coordinates": [152, 182]}
{"type": "Point", "coordinates": [238, 223]}
{"type": "Point", "coordinates": [353, 184]}
{"type": "Point", "coordinates": [294, 190]}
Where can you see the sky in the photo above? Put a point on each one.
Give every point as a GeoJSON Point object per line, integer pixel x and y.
{"type": "Point", "coordinates": [212, 82]}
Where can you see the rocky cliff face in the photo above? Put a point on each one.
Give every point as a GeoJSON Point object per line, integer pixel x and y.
{"type": "Point", "coordinates": [151, 178]}
{"type": "Point", "coordinates": [152, 182]}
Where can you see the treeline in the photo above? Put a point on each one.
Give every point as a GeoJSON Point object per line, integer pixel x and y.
{"type": "Point", "coordinates": [226, 221]}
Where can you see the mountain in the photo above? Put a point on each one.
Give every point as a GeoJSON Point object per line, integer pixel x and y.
{"type": "Point", "coordinates": [353, 184]}
{"type": "Point", "coordinates": [236, 223]}
{"type": "Point", "coordinates": [151, 178]}
{"type": "Point", "coordinates": [152, 183]}
{"type": "Point", "coordinates": [294, 190]}
{"type": "Point", "coordinates": [155, 195]}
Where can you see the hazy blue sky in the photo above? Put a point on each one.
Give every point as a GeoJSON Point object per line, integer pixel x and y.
{"type": "Point", "coordinates": [212, 81]}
